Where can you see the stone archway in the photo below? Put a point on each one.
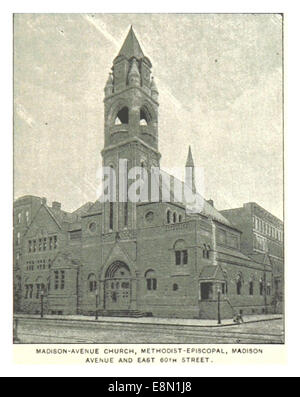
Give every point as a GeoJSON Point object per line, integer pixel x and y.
{"type": "Point", "coordinates": [117, 287]}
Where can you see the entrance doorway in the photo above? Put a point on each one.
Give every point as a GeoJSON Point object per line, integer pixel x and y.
{"type": "Point", "coordinates": [117, 292]}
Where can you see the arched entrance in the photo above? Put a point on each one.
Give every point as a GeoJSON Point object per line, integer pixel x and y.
{"type": "Point", "coordinates": [117, 287]}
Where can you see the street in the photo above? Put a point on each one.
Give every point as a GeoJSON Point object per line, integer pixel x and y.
{"type": "Point", "coordinates": [36, 330]}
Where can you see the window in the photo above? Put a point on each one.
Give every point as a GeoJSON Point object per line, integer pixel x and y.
{"type": "Point", "coordinates": [44, 244]}
{"type": "Point", "coordinates": [251, 288]}
{"type": "Point", "coordinates": [174, 217]}
{"type": "Point", "coordinates": [27, 216]}
{"type": "Point", "coordinates": [181, 257]}
{"type": "Point", "coordinates": [151, 280]}
{"type": "Point", "coordinates": [19, 217]}
{"type": "Point", "coordinates": [54, 242]}
{"type": "Point", "coordinates": [56, 279]}
{"type": "Point", "coordinates": [111, 215]}
{"type": "Point", "coordinates": [261, 287]}
{"type": "Point", "coordinates": [180, 218]}
{"type": "Point", "coordinates": [122, 116]}
{"type": "Point", "coordinates": [175, 287]}
{"type": "Point", "coordinates": [239, 281]}
{"type": "Point", "coordinates": [92, 283]}
{"type": "Point", "coordinates": [38, 286]}
{"type": "Point", "coordinates": [62, 279]}
{"type": "Point", "coordinates": [92, 227]}
{"type": "Point", "coordinates": [268, 291]}
{"type": "Point", "coordinates": [206, 291]}
{"type": "Point", "coordinates": [26, 291]}
{"type": "Point", "coordinates": [29, 246]}
{"type": "Point", "coordinates": [18, 238]}
{"type": "Point", "coordinates": [30, 290]}
{"type": "Point", "coordinates": [143, 117]}
{"type": "Point", "coordinates": [50, 243]}
{"type": "Point", "coordinates": [168, 216]}
{"type": "Point", "coordinates": [205, 251]}
{"type": "Point", "coordinates": [238, 287]}
{"type": "Point", "coordinates": [126, 213]}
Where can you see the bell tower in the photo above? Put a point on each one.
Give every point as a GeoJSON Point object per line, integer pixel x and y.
{"type": "Point", "coordinates": [130, 124]}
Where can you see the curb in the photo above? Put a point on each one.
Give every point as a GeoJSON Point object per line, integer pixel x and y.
{"type": "Point", "coordinates": [145, 324]}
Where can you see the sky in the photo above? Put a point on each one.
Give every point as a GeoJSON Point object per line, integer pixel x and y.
{"type": "Point", "coordinates": [219, 78]}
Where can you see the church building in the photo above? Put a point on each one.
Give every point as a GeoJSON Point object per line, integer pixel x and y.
{"type": "Point", "coordinates": [126, 258]}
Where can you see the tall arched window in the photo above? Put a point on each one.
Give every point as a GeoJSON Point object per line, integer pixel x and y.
{"type": "Point", "coordinates": [122, 116]}
{"type": "Point", "coordinates": [181, 253]}
{"type": "Point", "coordinates": [151, 281]}
{"type": "Point", "coordinates": [18, 238]}
{"type": "Point", "coordinates": [92, 282]}
{"type": "Point", "coordinates": [250, 287]}
{"type": "Point", "coordinates": [144, 117]}
{"type": "Point", "coordinates": [261, 287]}
{"type": "Point", "coordinates": [27, 216]}
{"type": "Point", "coordinates": [111, 203]}
{"type": "Point", "coordinates": [239, 283]}
{"type": "Point", "coordinates": [168, 216]}
{"type": "Point", "coordinates": [19, 217]}
{"type": "Point", "coordinates": [174, 217]}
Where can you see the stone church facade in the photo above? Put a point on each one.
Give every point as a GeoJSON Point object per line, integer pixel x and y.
{"type": "Point", "coordinates": [152, 258]}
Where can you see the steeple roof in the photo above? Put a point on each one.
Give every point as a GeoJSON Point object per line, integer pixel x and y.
{"type": "Point", "coordinates": [189, 161]}
{"type": "Point", "coordinates": [131, 47]}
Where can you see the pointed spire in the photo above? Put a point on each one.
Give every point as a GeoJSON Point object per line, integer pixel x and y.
{"type": "Point", "coordinates": [131, 47]}
{"type": "Point", "coordinates": [189, 161]}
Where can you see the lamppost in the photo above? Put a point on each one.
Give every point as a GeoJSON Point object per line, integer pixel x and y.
{"type": "Point", "coordinates": [42, 303]}
{"type": "Point", "coordinates": [96, 311]}
{"type": "Point", "coordinates": [219, 299]}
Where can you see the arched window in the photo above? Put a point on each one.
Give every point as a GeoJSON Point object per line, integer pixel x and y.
{"type": "Point", "coordinates": [268, 291]}
{"type": "Point", "coordinates": [251, 287]}
{"type": "Point", "coordinates": [239, 283]}
{"type": "Point", "coordinates": [168, 216]}
{"type": "Point", "coordinates": [27, 216]}
{"type": "Point", "coordinates": [174, 217]}
{"type": "Point", "coordinates": [145, 116]}
{"type": "Point", "coordinates": [261, 287]}
{"type": "Point", "coordinates": [92, 283]}
{"type": "Point", "coordinates": [179, 218]}
{"type": "Point", "coordinates": [122, 116]}
{"type": "Point", "coordinates": [19, 217]}
{"type": "Point", "coordinates": [205, 251]}
{"type": "Point", "coordinates": [181, 253]}
{"type": "Point", "coordinates": [18, 238]}
{"type": "Point", "coordinates": [151, 280]}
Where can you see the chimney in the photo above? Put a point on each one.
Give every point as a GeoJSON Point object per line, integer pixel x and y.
{"type": "Point", "coordinates": [211, 202]}
{"type": "Point", "coordinates": [56, 205]}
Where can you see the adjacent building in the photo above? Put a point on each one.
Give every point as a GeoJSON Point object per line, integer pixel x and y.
{"type": "Point", "coordinates": [263, 241]}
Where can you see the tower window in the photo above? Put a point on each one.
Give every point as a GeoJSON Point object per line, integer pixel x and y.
{"type": "Point", "coordinates": [143, 118]}
{"type": "Point", "coordinates": [174, 217]}
{"type": "Point", "coordinates": [122, 116]}
{"type": "Point", "coordinates": [111, 215]}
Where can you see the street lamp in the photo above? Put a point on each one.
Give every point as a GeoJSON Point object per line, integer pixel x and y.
{"type": "Point", "coordinates": [96, 311]}
{"type": "Point", "coordinates": [42, 303]}
{"type": "Point", "coordinates": [219, 311]}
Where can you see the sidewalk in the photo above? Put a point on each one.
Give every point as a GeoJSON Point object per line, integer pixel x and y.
{"type": "Point", "coordinates": [154, 320]}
